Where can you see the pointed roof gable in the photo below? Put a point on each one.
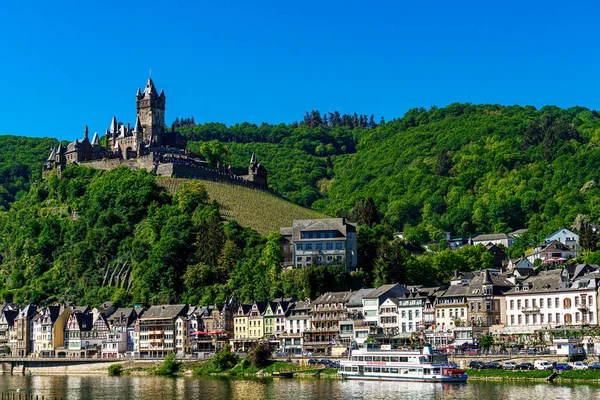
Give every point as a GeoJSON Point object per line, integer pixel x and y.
{"type": "Point", "coordinates": [113, 125]}
{"type": "Point", "coordinates": [95, 140]}
{"type": "Point", "coordinates": [150, 88]}
{"type": "Point", "coordinates": [52, 156]}
{"type": "Point", "coordinates": [138, 125]}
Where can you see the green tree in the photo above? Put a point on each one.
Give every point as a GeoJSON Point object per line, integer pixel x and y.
{"type": "Point", "coordinates": [214, 152]}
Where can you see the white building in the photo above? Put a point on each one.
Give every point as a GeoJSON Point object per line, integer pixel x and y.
{"type": "Point", "coordinates": [373, 300]}
{"type": "Point", "coordinates": [560, 297]}
{"type": "Point", "coordinates": [410, 312]}
{"type": "Point", "coordinates": [564, 236]}
{"type": "Point", "coordinates": [495, 238]}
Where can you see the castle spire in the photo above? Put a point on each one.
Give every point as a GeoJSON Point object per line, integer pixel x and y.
{"type": "Point", "coordinates": [85, 132]}
{"type": "Point", "coordinates": [150, 89]}
{"type": "Point", "coordinates": [139, 93]}
{"type": "Point", "coordinates": [113, 125]}
{"type": "Point", "coordinates": [95, 140]}
{"type": "Point", "coordinates": [253, 159]}
{"type": "Point", "coordinates": [138, 125]}
{"type": "Point", "coordinates": [52, 156]}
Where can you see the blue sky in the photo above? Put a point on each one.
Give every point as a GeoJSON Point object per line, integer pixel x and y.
{"type": "Point", "coordinates": [70, 63]}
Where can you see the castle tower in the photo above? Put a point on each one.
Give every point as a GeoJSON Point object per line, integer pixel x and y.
{"type": "Point", "coordinates": [150, 108]}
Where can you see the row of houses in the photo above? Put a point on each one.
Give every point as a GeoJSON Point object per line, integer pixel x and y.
{"type": "Point", "coordinates": [506, 303]}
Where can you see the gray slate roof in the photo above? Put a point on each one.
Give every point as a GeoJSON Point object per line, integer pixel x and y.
{"type": "Point", "coordinates": [165, 311]}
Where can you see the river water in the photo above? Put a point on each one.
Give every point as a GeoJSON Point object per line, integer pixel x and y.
{"type": "Point", "coordinates": [159, 388]}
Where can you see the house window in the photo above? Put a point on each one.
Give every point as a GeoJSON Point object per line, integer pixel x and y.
{"type": "Point", "coordinates": [512, 304]}
{"type": "Point", "coordinates": [549, 318]}
{"type": "Point", "coordinates": [299, 246]}
{"type": "Point", "coordinates": [567, 303]}
{"type": "Point", "coordinates": [308, 246]}
{"type": "Point", "coordinates": [512, 319]}
{"type": "Point", "coordinates": [541, 318]}
{"type": "Point", "coordinates": [329, 246]}
{"type": "Point", "coordinates": [549, 302]}
{"type": "Point", "coordinates": [339, 246]}
{"type": "Point", "coordinates": [556, 302]}
{"type": "Point", "coordinates": [519, 304]}
{"type": "Point", "coordinates": [319, 246]}
{"type": "Point", "coordinates": [520, 319]}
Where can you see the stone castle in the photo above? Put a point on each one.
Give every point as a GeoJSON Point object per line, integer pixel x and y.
{"type": "Point", "coordinates": [149, 146]}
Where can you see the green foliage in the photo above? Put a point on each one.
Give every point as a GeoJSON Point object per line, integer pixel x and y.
{"type": "Point", "coordinates": [214, 152]}
{"type": "Point", "coordinates": [170, 366]}
{"type": "Point", "coordinates": [486, 341]}
{"type": "Point", "coordinates": [260, 356]}
{"type": "Point", "coordinates": [115, 370]}
{"type": "Point", "coordinates": [7, 350]}
{"type": "Point", "coordinates": [224, 359]}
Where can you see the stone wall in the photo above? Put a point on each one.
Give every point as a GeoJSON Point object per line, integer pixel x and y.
{"type": "Point", "coordinates": [175, 171]}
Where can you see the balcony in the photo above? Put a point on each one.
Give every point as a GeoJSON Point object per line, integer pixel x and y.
{"type": "Point", "coordinates": [582, 307]}
{"type": "Point", "coordinates": [327, 317]}
{"type": "Point", "coordinates": [330, 329]}
{"type": "Point", "coordinates": [530, 310]}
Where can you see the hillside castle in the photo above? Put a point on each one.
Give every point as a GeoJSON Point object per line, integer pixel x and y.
{"type": "Point", "coordinates": [149, 146]}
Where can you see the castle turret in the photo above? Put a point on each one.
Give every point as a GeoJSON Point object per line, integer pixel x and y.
{"type": "Point", "coordinates": [113, 126]}
{"type": "Point", "coordinates": [85, 133]}
{"type": "Point", "coordinates": [95, 140]}
{"type": "Point", "coordinates": [151, 112]}
{"type": "Point", "coordinates": [52, 156]}
{"type": "Point", "coordinates": [138, 126]}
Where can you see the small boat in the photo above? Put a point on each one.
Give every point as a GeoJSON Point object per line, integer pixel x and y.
{"type": "Point", "coordinates": [281, 374]}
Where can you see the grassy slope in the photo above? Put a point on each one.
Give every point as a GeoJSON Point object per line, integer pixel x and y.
{"type": "Point", "coordinates": [260, 210]}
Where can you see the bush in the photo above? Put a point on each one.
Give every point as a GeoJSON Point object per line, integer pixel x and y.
{"type": "Point", "coordinates": [170, 365]}
{"type": "Point", "coordinates": [115, 370]}
{"type": "Point", "coordinates": [224, 359]}
{"type": "Point", "coordinates": [260, 356]}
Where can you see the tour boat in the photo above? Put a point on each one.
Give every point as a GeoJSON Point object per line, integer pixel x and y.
{"type": "Point", "coordinates": [377, 364]}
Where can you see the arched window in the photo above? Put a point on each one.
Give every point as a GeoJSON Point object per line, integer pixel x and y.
{"type": "Point", "coordinates": [567, 303]}
{"type": "Point", "coordinates": [568, 318]}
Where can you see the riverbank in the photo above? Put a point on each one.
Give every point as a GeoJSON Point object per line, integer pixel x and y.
{"type": "Point", "coordinates": [573, 376]}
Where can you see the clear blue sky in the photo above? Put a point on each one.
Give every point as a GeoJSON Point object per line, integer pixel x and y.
{"type": "Point", "coordinates": [67, 64]}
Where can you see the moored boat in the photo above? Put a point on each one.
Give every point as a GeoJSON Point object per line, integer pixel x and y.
{"type": "Point", "coordinates": [373, 363]}
{"type": "Point", "coordinates": [280, 374]}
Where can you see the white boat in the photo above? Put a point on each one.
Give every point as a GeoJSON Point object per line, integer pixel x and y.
{"type": "Point", "coordinates": [374, 363]}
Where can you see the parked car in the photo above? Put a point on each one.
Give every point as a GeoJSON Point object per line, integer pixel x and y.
{"type": "Point", "coordinates": [543, 365]}
{"type": "Point", "coordinates": [312, 361]}
{"type": "Point", "coordinates": [594, 365]}
{"type": "Point", "coordinates": [493, 365]}
{"type": "Point", "coordinates": [476, 365]}
{"type": "Point", "coordinates": [326, 363]}
{"type": "Point", "coordinates": [510, 365]}
{"type": "Point", "coordinates": [525, 367]}
{"type": "Point", "coordinates": [563, 367]}
{"type": "Point", "coordinates": [580, 365]}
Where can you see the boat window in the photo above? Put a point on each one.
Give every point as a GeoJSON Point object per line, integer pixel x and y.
{"type": "Point", "coordinates": [404, 371]}
{"type": "Point", "coordinates": [354, 358]}
{"type": "Point", "coordinates": [376, 358]}
{"type": "Point", "coordinates": [368, 358]}
{"type": "Point", "coordinates": [368, 369]}
{"type": "Point", "coordinates": [354, 369]}
{"type": "Point", "coordinates": [386, 359]}
{"type": "Point", "coordinates": [427, 371]}
{"type": "Point", "coordinates": [377, 370]}
{"type": "Point", "coordinates": [436, 371]}
{"type": "Point", "coordinates": [394, 359]}
{"type": "Point", "coordinates": [412, 370]}
{"type": "Point", "coordinates": [403, 359]}
{"type": "Point", "coordinates": [394, 370]}
{"type": "Point", "coordinates": [385, 370]}
{"type": "Point", "coordinates": [361, 358]}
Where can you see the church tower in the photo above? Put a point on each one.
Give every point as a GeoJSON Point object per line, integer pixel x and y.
{"type": "Point", "coordinates": [150, 108]}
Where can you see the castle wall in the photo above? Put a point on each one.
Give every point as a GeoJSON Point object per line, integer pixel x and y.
{"type": "Point", "coordinates": [194, 172]}
{"type": "Point", "coordinates": [143, 162]}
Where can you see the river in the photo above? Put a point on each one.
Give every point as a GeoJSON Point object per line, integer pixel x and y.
{"type": "Point", "coordinates": [159, 388]}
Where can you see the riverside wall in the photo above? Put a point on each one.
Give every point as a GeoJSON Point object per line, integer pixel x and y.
{"type": "Point", "coordinates": [68, 367]}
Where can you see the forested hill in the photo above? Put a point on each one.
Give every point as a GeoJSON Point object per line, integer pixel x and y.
{"type": "Point", "coordinates": [464, 168]}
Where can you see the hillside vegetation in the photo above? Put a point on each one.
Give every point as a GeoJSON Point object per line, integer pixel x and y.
{"type": "Point", "coordinates": [259, 210]}
{"type": "Point", "coordinates": [465, 168]}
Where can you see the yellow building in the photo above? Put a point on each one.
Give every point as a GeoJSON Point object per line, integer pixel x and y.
{"type": "Point", "coordinates": [49, 330]}
{"type": "Point", "coordinates": [256, 326]}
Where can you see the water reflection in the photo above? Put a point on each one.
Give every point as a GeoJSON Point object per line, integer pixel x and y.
{"type": "Point", "coordinates": [155, 388]}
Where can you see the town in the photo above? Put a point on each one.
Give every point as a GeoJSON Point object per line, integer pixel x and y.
{"type": "Point", "coordinates": [516, 304]}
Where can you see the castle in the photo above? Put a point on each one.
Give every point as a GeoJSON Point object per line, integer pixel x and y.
{"type": "Point", "coordinates": [149, 146]}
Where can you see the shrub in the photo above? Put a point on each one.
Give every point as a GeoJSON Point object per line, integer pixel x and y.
{"type": "Point", "coordinates": [170, 365]}
{"type": "Point", "coordinates": [260, 356]}
{"type": "Point", "coordinates": [225, 359]}
{"type": "Point", "coordinates": [115, 369]}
